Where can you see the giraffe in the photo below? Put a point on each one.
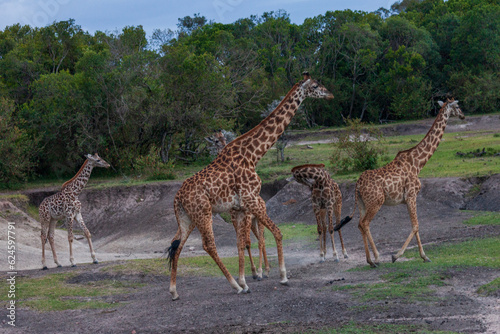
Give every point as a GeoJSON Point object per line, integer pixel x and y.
{"type": "Point", "coordinates": [398, 183]}
{"type": "Point", "coordinates": [231, 183]}
{"type": "Point", "coordinates": [219, 140]}
{"type": "Point", "coordinates": [65, 204]}
{"type": "Point", "coordinates": [326, 199]}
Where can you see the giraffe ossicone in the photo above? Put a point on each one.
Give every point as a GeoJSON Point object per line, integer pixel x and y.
{"type": "Point", "coordinates": [230, 183]}
{"type": "Point", "coordinates": [65, 205]}
{"type": "Point", "coordinates": [398, 183]}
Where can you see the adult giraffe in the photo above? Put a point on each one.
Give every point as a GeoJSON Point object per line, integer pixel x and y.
{"type": "Point", "coordinates": [65, 204]}
{"type": "Point", "coordinates": [398, 183]}
{"type": "Point", "coordinates": [230, 183]}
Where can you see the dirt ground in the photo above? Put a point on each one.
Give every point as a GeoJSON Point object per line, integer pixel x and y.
{"type": "Point", "coordinates": [138, 222]}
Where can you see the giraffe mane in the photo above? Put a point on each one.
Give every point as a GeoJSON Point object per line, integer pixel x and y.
{"type": "Point", "coordinates": [307, 165]}
{"type": "Point", "coordinates": [249, 133]}
{"type": "Point", "coordinates": [432, 126]}
{"type": "Point", "coordinates": [74, 177]}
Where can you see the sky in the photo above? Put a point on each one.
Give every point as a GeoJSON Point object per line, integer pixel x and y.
{"type": "Point", "coordinates": [113, 15]}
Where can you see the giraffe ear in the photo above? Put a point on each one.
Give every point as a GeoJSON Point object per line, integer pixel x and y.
{"type": "Point", "coordinates": [441, 103]}
{"type": "Point", "coordinates": [306, 75]}
{"type": "Point", "coordinates": [306, 83]}
{"type": "Point", "coordinates": [88, 156]}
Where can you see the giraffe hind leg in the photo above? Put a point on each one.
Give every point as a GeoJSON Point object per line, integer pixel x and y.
{"type": "Point", "coordinates": [184, 230]}
{"type": "Point", "coordinates": [87, 236]}
{"type": "Point", "coordinates": [51, 235]}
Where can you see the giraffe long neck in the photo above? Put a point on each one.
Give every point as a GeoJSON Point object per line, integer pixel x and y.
{"type": "Point", "coordinates": [76, 184]}
{"type": "Point", "coordinates": [424, 150]}
{"type": "Point", "coordinates": [256, 142]}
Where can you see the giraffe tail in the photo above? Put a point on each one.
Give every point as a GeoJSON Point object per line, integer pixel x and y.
{"type": "Point", "coordinates": [171, 252]}
{"type": "Point", "coordinates": [348, 218]}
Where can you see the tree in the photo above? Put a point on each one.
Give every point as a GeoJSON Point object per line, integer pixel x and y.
{"type": "Point", "coordinates": [16, 149]}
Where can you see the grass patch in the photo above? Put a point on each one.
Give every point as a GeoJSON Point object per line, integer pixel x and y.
{"type": "Point", "coordinates": [412, 281]}
{"type": "Point", "coordinates": [356, 328]}
{"type": "Point", "coordinates": [54, 293]}
{"type": "Point", "coordinates": [490, 289]}
{"type": "Point", "coordinates": [291, 232]}
{"type": "Point", "coordinates": [187, 266]}
{"type": "Point", "coordinates": [484, 218]}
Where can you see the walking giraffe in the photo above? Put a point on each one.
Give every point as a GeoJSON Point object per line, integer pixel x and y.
{"type": "Point", "coordinates": [326, 200]}
{"type": "Point", "coordinates": [231, 183]}
{"type": "Point", "coordinates": [65, 204]}
{"type": "Point", "coordinates": [219, 141]}
{"type": "Point", "coordinates": [398, 183]}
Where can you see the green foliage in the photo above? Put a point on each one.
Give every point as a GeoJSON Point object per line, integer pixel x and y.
{"type": "Point", "coordinates": [152, 168]}
{"type": "Point", "coordinates": [357, 149]}
{"type": "Point", "coordinates": [73, 93]}
{"type": "Point", "coordinates": [15, 149]}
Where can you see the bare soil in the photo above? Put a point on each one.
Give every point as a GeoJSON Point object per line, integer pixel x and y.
{"type": "Point", "coordinates": [138, 222]}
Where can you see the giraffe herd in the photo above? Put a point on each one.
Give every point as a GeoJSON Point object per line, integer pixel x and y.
{"type": "Point", "coordinates": [231, 184]}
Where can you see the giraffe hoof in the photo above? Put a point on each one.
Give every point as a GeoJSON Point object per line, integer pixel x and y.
{"type": "Point", "coordinates": [337, 260]}
{"type": "Point", "coordinates": [73, 265]}
{"type": "Point", "coordinates": [346, 256]}
{"type": "Point", "coordinates": [285, 283]}
{"type": "Point", "coordinates": [256, 277]}
{"type": "Point", "coordinates": [394, 258]}
{"type": "Point", "coordinates": [95, 262]}
{"type": "Point", "coordinates": [175, 298]}
{"type": "Point", "coordinates": [259, 278]}
{"type": "Point", "coordinates": [45, 268]}
{"type": "Point", "coordinates": [59, 266]}
{"type": "Point", "coordinates": [427, 260]}
{"type": "Point", "coordinates": [373, 265]}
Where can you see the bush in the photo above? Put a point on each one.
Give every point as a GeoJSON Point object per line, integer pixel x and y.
{"type": "Point", "coordinates": [15, 149]}
{"type": "Point", "coordinates": [358, 148]}
{"type": "Point", "coordinates": [152, 168]}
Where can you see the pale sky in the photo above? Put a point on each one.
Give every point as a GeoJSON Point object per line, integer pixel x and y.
{"type": "Point", "coordinates": [111, 15]}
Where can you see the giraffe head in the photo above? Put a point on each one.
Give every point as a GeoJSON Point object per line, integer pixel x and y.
{"type": "Point", "coordinates": [218, 140]}
{"type": "Point", "coordinates": [452, 108]}
{"type": "Point", "coordinates": [96, 161]}
{"type": "Point", "coordinates": [312, 88]}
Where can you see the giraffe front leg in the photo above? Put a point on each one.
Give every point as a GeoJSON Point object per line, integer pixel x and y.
{"type": "Point", "coordinates": [258, 209]}
{"type": "Point", "coordinates": [88, 236]}
{"type": "Point", "coordinates": [69, 223]}
{"type": "Point", "coordinates": [330, 230]}
{"type": "Point", "coordinates": [43, 237]}
{"type": "Point", "coordinates": [321, 234]}
{"type": "Point", "coordinates": [338, 212]}
{"type": "Point", "coordinates": [412, 210]}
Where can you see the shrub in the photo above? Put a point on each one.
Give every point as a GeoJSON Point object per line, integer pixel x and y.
{"type": "Point", "coordinates": [15, 149]}
{"type": "Point", "coordinates": [152, 168]}
{"type": "Point", "coordinates": [359, 148]}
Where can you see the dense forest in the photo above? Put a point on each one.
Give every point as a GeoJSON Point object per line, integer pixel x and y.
{"type": "Point", "coordinates": [65, 92]}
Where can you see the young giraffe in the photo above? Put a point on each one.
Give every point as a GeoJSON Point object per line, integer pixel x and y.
{"type": "Point", "coordinates": [398, 183]}
{"type": "Point", "coordinates": [219, 140]}
{"type": "Point", "coordinates": [326, 199]}
{"type": "Point", "coordinates": [65, 204]}
{"type": "Point", "coordinates": [231, 183]}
